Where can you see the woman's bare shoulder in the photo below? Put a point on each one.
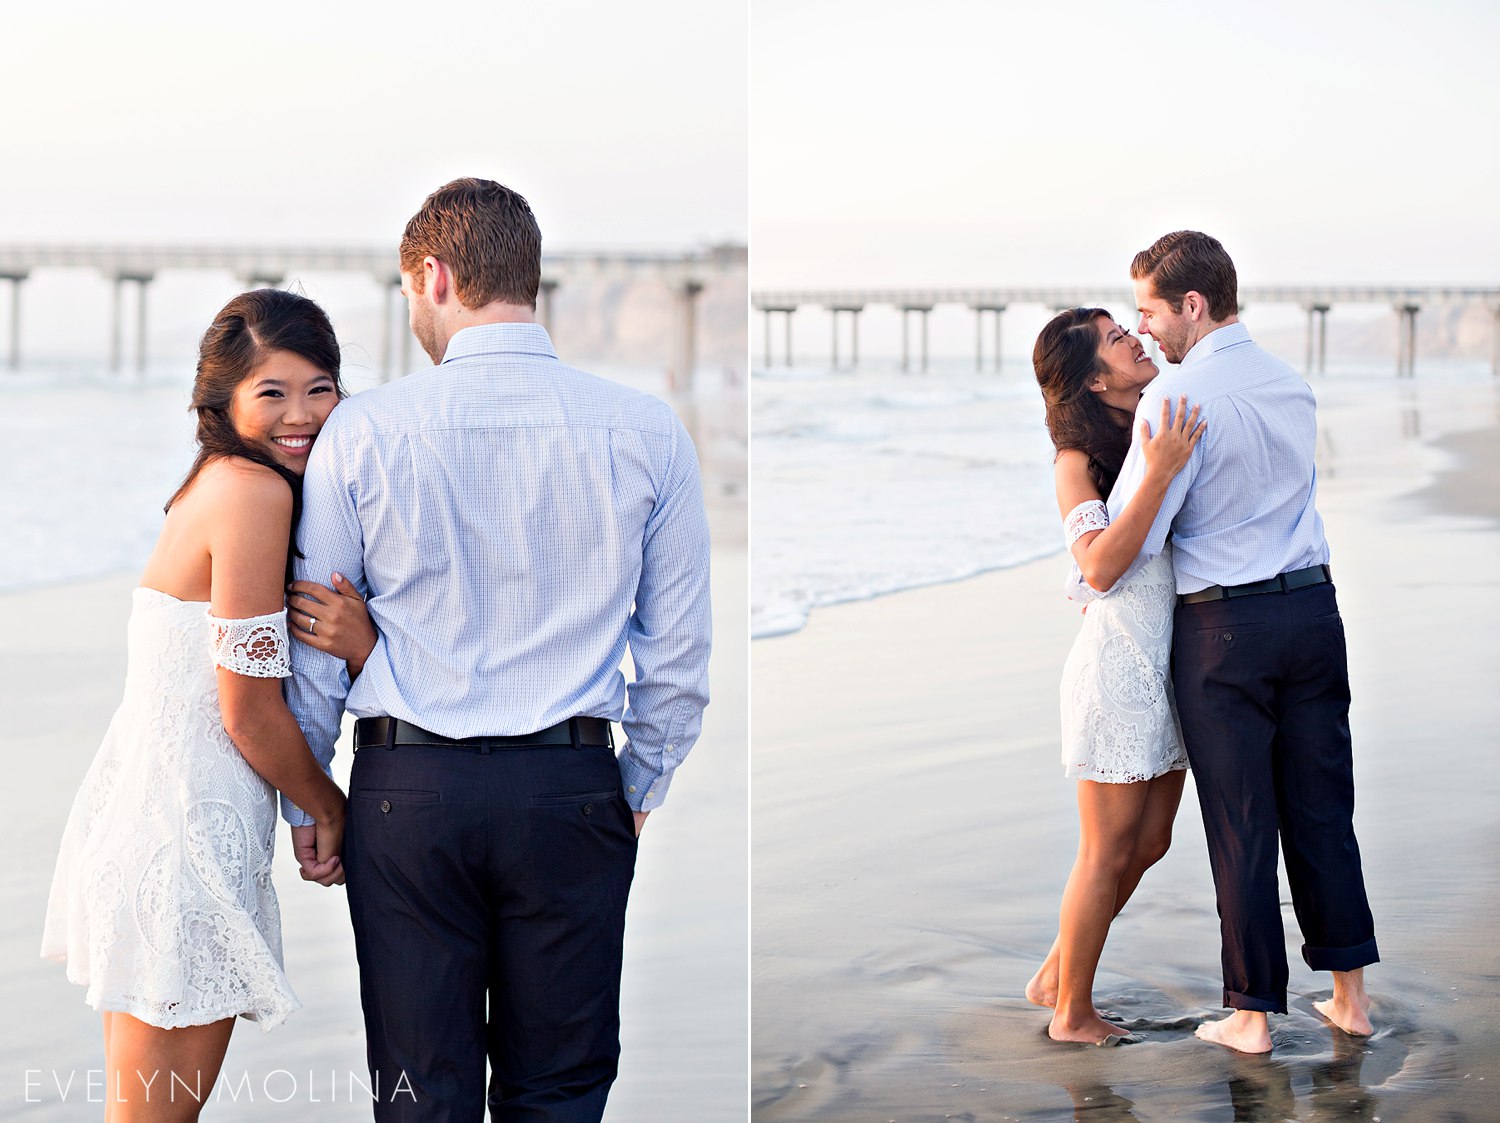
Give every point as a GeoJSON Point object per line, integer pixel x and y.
{"type": "Point", "coordinates": [242, 484]}
{"type": "Point", "coordinates": [1075, 483]}
{"type": "Point", "coordinates": [1071, 464]}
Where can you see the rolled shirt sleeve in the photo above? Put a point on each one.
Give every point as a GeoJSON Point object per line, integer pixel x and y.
{"type": "Point", "coordinates": [669, 634]}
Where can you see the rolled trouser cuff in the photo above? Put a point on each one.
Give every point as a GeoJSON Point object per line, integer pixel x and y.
{"type": "Point", "coordinates": [1234, 1000]}
{"type": "Point", "coordinates": [1341, 959]}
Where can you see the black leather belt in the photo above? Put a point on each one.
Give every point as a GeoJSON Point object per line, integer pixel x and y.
{"type": "Point", "coordinates": [1281, 583]}
{"type": "Point", "coordinates": [388, 732]}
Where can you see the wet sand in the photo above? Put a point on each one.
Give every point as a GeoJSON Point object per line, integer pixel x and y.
{"type": "Point", "coordinates": [912, 831]}
{"type": "Point", "coordinates": [684, 1003]}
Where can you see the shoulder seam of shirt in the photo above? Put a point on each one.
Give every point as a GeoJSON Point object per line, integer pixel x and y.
{"type": "Point", "coordinates": [488, 427]}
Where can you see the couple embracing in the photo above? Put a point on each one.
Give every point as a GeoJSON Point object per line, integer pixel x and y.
{"type": "Point", "coordinates": [475, 547]}
{"type": "Point", "coordinates": [1211, 634]}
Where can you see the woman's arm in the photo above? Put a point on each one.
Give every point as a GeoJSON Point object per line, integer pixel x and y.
{"type": "Point", "coordinates": [1103, 556]}
{"type": "Point", "coordinates": [247, 546]}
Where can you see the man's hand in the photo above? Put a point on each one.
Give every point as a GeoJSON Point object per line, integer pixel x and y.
{"type": "Point", "coordinates": [640, 821]}
{"type": "Point", "coordinates": [305, 850]}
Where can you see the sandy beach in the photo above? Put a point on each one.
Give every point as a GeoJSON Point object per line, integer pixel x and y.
{"type": "Point", "coordinates": [684, 1002]}
{"type": "Point", "coordinates": [912, 831]}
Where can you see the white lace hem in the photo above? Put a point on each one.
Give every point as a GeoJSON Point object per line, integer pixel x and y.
{"type": "Point", "coordinates": [267, 1010]}
{"type": "Point", "coordinates": [1088, 771]}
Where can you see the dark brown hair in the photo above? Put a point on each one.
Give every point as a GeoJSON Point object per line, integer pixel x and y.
{"type": "Point", "coordinates": [245, 331]}
{"type": "Point", "coordinates": [486, 234]}
{"type": "Point", "coordinates": [1066, 360]}
{"type": "Point", "coordinates": [1187, 261]}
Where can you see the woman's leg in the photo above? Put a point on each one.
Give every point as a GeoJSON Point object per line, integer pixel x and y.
{"type": "Point", "coordinates": [160, 1075]}
{"type": "Point", "coordinates": [1153, 837]}
{"type": "Point", "coordinates": [1109, 817]}
{"type": "Point", "coordinates": [1152, 840]}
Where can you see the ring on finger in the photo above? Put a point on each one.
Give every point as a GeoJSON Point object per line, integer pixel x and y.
{"type": "Point", "coordinates": [312, 623]}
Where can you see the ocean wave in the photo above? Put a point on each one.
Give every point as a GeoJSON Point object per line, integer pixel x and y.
{"type": "Point", "coordinates": [788, 611]}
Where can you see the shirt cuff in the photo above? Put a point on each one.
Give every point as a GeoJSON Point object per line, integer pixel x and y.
{"type": "Point", "coordinates": [645, 786]}
{"type": "Point", "coordinates": [294, 815]}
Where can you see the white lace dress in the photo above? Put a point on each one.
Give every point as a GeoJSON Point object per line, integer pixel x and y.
{"type": "Point", "coordinates": [1119, 722]}
{"type": "Point", "coordinates": [162, 903]}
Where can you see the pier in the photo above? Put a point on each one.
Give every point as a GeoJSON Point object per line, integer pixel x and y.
{"type": "Point", "coordinates": [133, 268]}
{"type": "Point", "coordinates": [1317, 300]}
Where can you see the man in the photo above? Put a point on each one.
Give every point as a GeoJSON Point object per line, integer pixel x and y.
{"type": "Point", "coordinates": [516, 524]}
{"type": "Point", "coordinates": [1258, 659]}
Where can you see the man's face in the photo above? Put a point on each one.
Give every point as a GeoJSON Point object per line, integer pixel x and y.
{"type": "Point", "coordinates": [422, 317]}
{"type": "Point", "coordinates": [1173, 331]}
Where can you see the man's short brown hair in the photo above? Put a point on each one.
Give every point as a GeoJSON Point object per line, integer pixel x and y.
{"type": "Point", "coordinates": [486, 234]}
{"type": "Point", "coordinates": [1187, 261]}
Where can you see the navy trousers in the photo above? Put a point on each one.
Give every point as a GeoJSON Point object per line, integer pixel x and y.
{"type": "Point", "coordinates": [487, 892]}
{"type": "Point", "coordinates": [1262, 687]}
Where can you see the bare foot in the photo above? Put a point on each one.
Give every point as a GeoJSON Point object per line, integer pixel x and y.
{"type": "Point", "coordinates": [1087, 1030]}
{"type": "Point", "coordinates": [1349, 1008]}
{"type": "Point", "coordinates": [1244, 1031]}
{"type": "Point", "coordinates": [1042, 990]}
{"type": "Point", "coordinates": [1351, 1016]}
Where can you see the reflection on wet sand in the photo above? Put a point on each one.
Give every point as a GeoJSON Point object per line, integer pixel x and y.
{"type": "Point", "coordinates": [1315, 1072]}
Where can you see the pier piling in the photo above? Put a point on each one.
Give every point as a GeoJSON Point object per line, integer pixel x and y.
{"type": "Point", "coordinates": [922, 310]}
{"type": "Point", "coordinates": [1406, 339]}
{"type": "Point", "coordinates": [14, 334]}
{"type": "Point", "coordinates": [1317, 339]}
{"type": "Point", "coordinates": [1495, 343]}
{"type": "Point", "coordinates": [979, 311]}
{"type": "Point", "coordinates": [681, 377]}
{"type": "Point", "coordinates": [117, 324]}
{"type": "Point", "coordinates": [854, 310]}
{"type": "Point", "coordinates": [785, 310]}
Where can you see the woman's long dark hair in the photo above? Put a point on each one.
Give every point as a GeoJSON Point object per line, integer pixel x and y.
{"type": "Point", "coordinates": [245, 331]}
{"type": "Point", "coordinates": [1066, 360]}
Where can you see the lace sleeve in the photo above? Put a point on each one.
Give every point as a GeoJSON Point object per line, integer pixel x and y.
{"type": "Point", "coordinates": [1091, 515]}
{"type": "Point", "coordinates": [257, 648]}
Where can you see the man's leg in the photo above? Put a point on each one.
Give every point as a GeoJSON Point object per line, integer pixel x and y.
{"type": "Point", "coordinates": [1222, 664]}
{"type": "Point", "coordinates": [562, 859]}
{"type": "Point", "coordinates": [414, 839]}
{"type": "Point", "coordinates": [1315, 790]}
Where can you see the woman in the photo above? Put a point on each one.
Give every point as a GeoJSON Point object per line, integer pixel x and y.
{"type": "Point", "coordinates": [162, 903]}
{"type": "Point", "coordinates": [1119, 730]}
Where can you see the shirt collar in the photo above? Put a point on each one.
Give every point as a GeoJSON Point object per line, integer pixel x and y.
{"type": "Point", "coordinates": [1230, 335]}
{"type": "Point", "coordinates": [490, 339]}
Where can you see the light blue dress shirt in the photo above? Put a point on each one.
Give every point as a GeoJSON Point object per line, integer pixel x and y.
{"type": "Point", "coordinates": [1243, 508]}
{"type": "Point", "coordinates": [515, 525]}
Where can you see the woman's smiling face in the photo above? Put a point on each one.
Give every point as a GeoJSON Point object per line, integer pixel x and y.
{"type": "Point", "coordinates": [1126, 365]}
{"type": "Point", "coordinates": [282, 406]}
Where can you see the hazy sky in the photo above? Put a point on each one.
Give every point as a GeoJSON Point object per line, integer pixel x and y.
{"type": "Point", "coordinates": [951, 142]}
{"type": "Point", "coordinates": [623, 124]}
